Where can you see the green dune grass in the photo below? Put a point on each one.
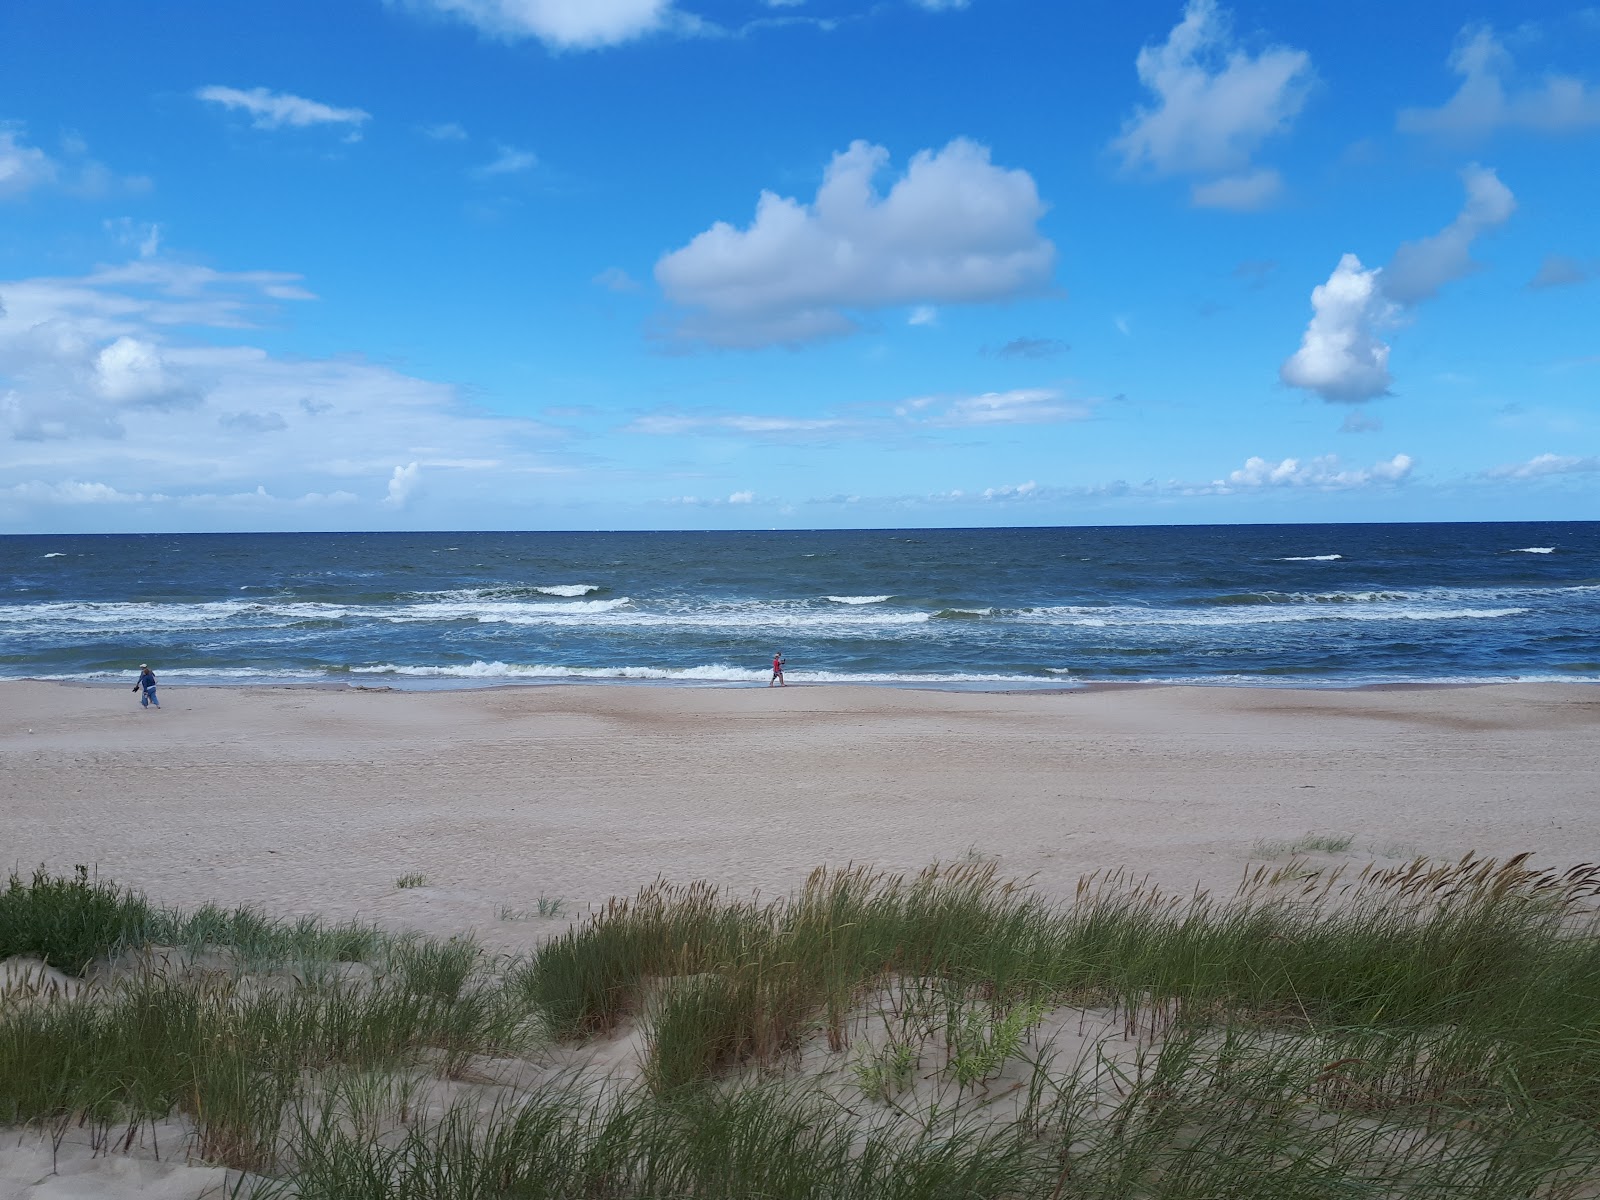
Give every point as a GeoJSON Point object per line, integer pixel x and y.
{"type": "Point", "coordinates": [1431, 1030]}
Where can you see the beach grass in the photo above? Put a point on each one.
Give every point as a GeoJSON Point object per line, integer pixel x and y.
{"type": "Point", "coordinates": [1428, 1030]}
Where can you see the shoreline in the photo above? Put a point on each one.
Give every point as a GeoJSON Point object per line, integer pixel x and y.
{"type": "Point", "coordinates": [1009, 688]}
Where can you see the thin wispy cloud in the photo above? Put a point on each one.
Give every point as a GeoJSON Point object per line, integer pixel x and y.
{"type": "Point", "coordinates": [508, 161]}
{"type": "Point", "coordinates": [281, 110]}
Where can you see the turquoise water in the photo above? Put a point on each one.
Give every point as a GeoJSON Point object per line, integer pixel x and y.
{"type": "Point", "coordinates": [997, 608]}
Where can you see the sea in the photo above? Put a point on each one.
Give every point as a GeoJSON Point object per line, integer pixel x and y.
{"type": "Point", "coordinates": [1001, 609]}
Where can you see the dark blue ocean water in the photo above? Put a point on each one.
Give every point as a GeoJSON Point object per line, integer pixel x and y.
{"type": "Point", "coordinates": [1307, 604]}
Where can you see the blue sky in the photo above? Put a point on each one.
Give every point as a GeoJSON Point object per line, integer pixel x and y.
{"type": "Point", "coordinates": [592, 264]}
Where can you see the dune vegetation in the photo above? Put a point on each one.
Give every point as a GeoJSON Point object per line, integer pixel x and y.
{"type": "Point", "coordinates": [1431, 1030]}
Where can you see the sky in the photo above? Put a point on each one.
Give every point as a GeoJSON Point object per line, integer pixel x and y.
{"type": "Point", "coordinates": [700, 264]}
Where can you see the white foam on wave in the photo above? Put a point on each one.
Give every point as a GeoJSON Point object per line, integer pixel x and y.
{"type": "Point", "coordinates": [569, 590]}
{"type": "Point", "coordinates": [1523, 550]}
{"type": "Point", "coordinates": [56, 554]}
{"type": "Point", "coordinates": [1254, 614]}
{"type": "Point", "coordinates": [509, 612]}
{"type": "Point", "coordinates": [857, 599]}
{"type": "Point", "coordinates": [1312, 558]}
{"type": "Point", "coordinates": [133, 616]}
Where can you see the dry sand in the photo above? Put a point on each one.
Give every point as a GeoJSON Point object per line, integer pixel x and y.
{"type": "Point", "coordinates": [301, 800]}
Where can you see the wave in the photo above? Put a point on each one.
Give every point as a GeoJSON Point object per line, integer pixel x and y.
{"type": "Point", "coordinates": [963, 614]}
{"type": "Point", "coordinates": [1523, 550]}
{"type": "Point", "coordinates": [1267, 614]}
{"type": "Point", "coordinates": [1246, 598]}
{"type": "Point", "coordinates": [508, 611]}
{"type": "Point", "coordinates": [567, 589]}
{"type": "Point", "coordinates": [858, 599]}
{"type": "Point", "coordinates": [56, 554]}
{"type": "Point", "coordinates": [1312, 558]}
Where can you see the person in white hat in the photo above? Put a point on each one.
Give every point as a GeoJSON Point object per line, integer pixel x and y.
{"type": "Point", "coordinates": [147, 681]}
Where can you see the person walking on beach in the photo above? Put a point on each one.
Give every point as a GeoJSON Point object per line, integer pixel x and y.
{"type": "Point", "coordinates": [777, 671]}
{"type": "Point", "coordinates": [147, 681]}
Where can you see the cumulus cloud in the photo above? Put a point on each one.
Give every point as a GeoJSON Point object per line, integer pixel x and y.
{"type": "Point", "coordinates": [402, 484]}
{"type": "Point", "coordinates": [1343, 357]}
{"type": "Point", "coordinates": [1541, 465]}
{"type": "Point", "coordinates": [954, 229]}
{"type": "Point", "coordinates": [1419, 269]}
{"type": "Point", "coordinates": [1214, 106]}
{"type": "Point", "coordinates": [1486, 103]}
{"type": "Point", "coordinates": [1325, 473]}
{"type": "Point", "coordinates": [277, 110]}
{"type": "Point", "coordinates": [559, 24]}
{"type": "Point", "coordinates": [133, 371]}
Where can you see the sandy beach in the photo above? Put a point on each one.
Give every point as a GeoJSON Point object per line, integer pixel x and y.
{"type": "Point", "coordinates": [317, 801]}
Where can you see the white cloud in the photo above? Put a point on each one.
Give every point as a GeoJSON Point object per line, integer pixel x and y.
{"type": "Point", "coordinates": [1562, 270]}
{"type": "Point", "coordinates": [1019, 491]}
{"type": "Point", "coordinates": [22, 167]}
{"type": "Point", "coordinates": [940, 5]}
{"type": "Point", "coordinates": [444, 131]}
{"type": "Point", "coordinates": [672, 424]}
{"type": "Point", "coordinates": [1325, 473]}
{"type": "Point", "coordinates": [1419, 269]}
{"type": "Point", "coordinates": [402, 484]}
{"type": "Point", "coordinates": [1484, 104]}
{"type": "Point", "coordinates": [509, 161]}
{"type": "Point", "coordinates": [954, 229]}
{"type": "Point", "coordinates": [615, 279]}
{"type": "Point", "coordinates": [128, 377]}
{"type": "Point", "coordinates": [1342, 357]}
{"type": "Point", "coordinates": [144, 239]}
{"type": "Point", "coordinates": [275, 110]}
{"type": "Point", "coordinates": [1021, 406]}
{"type": "Point", "coordinates": [923, 314]}
{"type": "Point", "coordinates": [1248, 192]}
{"type": "Point", "coordinates": [133, 371]}
{"type": "Point", "coordinates": [1215, 104]}
{"type": "Point", "coordinates": [560, 24]}
{"type": "Point", "coordinates": [1358, 421]}
{"type": "Point", "coordinates": [742, 498]}
{"type": "Point", "coordinates": [1545, 464]}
